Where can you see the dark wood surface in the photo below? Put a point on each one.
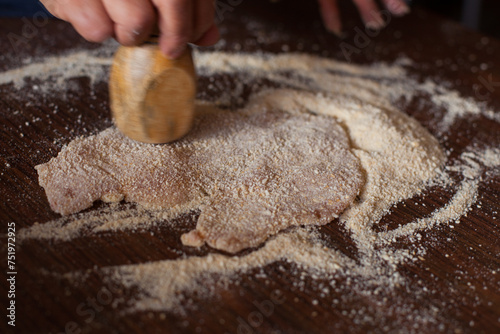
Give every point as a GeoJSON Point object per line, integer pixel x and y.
{"type": "Point", "coordinates": [464, 288]}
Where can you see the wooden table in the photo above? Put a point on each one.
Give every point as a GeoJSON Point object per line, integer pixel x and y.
{"type": "Point", "coordinates": [464, 288]}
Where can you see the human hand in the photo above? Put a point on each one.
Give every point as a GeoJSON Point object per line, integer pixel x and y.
{"type": "Point", "coordinates": [131, 22]}
{"type": "Point", "coordinates": [368, 10]}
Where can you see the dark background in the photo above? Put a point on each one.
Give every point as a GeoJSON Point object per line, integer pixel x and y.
{"type": "Point", "coordinates": [484, 20]}
{"type": "Point", "coordinates": [481, 15]}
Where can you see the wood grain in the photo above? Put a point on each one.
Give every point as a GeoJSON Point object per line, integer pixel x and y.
{"type": "Point", "coordinates": [464, 288]}
{"type": "Point", "coordinates": [151, 96]}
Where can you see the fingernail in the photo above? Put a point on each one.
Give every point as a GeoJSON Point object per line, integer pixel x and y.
{"type": "Point", "coordinates": [134, 36]}
{"type": "Point", "coordinates": [375, 25]}
{"type": "Point", "coordinates": [176, 53]}
{"type": "Point", "coordinates": [376, 22]}
{"type": "Point", "coordinates": [337, 32]}
{"type": "Point", "coordinates": [398, 8]}
{"type": "Point", "coordinates": [335, 28]}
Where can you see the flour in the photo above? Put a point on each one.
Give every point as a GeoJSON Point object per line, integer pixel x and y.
{"type": "Point", "coordinates": [400, 159]}
{"type": "Point", "coordinates": [111, 218]}
{"type": "Point", "coordinates": [53, 72]}
{"type": "Point", "coordinates": [250, 173]}
{"type": "Point", "coordinates": [456, 106]}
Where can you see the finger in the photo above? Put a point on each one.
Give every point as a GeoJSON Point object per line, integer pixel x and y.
{"type": "Point", "coordinates": [91, 19]}
{"type": "Point", "coordinates": [175, 20]}
{"type": "Point", "coordinates": [211, 37]}
{"type": "Point", "coordinates": [331, 16]}
{"type": "Point", "coordinates": [133, 19]}
{"type": "Point", "coordinates": [204, 12]}
{"type": "Point", "coordinates": [397, 7]}
{"type": "Point", "coordinates": [369, 13]}
{"type": "Point", "coordinates": [53, 7]}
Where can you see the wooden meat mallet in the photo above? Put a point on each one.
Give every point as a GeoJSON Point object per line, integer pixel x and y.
{"type": "Point", "coordinates": [151, 96]}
